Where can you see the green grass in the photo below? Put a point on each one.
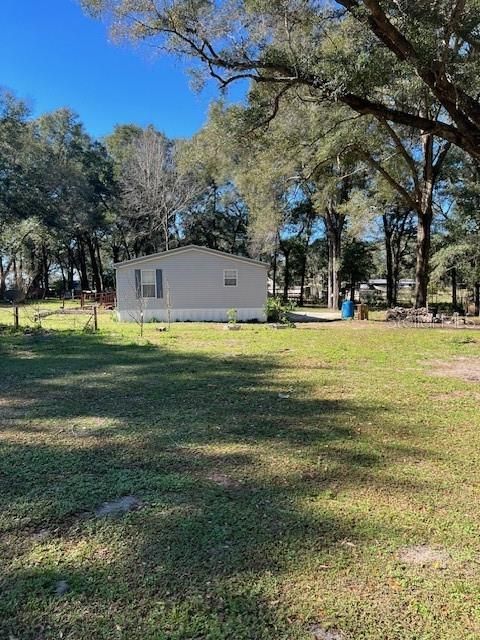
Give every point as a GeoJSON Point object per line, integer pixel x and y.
{"type": "Point", "coordinates": [368, 454]}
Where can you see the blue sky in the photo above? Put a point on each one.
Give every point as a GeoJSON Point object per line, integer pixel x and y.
{"type": "Point", "coordinates": [53, 55]}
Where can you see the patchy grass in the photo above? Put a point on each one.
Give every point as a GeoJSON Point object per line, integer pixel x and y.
{"type": "Point", "coordinates": [280, 479]}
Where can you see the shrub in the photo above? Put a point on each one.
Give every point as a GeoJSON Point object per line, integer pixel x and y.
{"type": "Point", "coordinates": [374, 299]}
{"type": "Point", "coordinates": [276, 310]}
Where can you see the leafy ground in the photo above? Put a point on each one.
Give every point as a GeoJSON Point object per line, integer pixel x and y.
{"type": "Point", "coordinates": [291, 481]}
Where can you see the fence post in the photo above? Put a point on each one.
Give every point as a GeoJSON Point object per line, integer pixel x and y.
{"type": "Point", "coordinates": [95, 322]}
{"type": "Point", "coordinates": [15, 317]}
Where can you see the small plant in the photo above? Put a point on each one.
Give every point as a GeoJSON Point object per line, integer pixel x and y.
{"type": "Point", "coordinates": [232, 320]}
{"type": "Point", "coordinates": [232, 316]}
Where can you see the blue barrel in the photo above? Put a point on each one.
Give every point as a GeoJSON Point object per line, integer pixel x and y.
{"type": "Point", "coordinates": [348, 310]}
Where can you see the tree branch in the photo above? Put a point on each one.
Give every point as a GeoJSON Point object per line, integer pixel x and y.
{"type": "Point", "coordinates": [410, 202]}
{"type": "Point", "coordinates": [403, 152]}
{"type": "Point", "coordinates": [437, 165]}
{"type": "Point", "coordinates": [436, 127]}
{"type": "Point", "coordinates": [461, 107]}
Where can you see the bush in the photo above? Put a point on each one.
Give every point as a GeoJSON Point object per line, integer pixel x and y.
{"type": "Point", "coordinates": [276, 310]}
{"type": "Point", "coordinates": [374, 299]}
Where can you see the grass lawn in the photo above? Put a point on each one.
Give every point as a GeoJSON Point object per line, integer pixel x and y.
{"type": "Point", "coordinates": [286, 479]}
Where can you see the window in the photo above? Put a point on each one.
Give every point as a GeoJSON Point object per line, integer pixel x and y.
{"type": "Point", "coordinates": [230, 277]}
{"type": "Point", "coordinates": [148, 284]}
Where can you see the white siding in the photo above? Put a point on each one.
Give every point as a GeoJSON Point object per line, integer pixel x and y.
{"type": "Point", "coordinates": [195, 279]}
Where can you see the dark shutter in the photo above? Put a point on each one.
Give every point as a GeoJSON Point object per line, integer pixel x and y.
{"type": "Point", "coordinates": [138, 283]}
{"type": "Point", "coordinates": [159, 283]}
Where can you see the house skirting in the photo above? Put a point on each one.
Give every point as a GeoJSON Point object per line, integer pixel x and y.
{"type": "Point", "coordinates": [190, 315]}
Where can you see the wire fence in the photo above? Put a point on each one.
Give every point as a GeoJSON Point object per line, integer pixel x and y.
{"type": "Point", "coordinates": [50, 316]}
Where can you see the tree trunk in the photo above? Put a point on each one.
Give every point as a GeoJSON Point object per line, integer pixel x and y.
{"type": "Point", "coordinates": [333, 285]}
{"type": "Point", "coordinates": [334, 223]}
{"type": "Point", "coordinates": [302, 277]}
{"type": "Point", "coordinates": [45, 271]}
{"type": "Point", "coordinates": [99, 261]}
{"type": "Point", "coordinates": [329, 274]}
{"type": "Point", "coordinates": [93, 261]}
{"type": "Point", "coordinates": [389, 262]}
{"type": "Point", "coordinates": [3, 276]}
{"type": "Point", "coordinates": [20, 268]}
{"type": "Point", "coordinates": [15, 272]}
{"type": "Point", "coordinates": [62, 271]}
{"type": "Point", "coordinates": [286, 275]}
{"type": "Point", "coordinates": [334, 257]}
{"type": "Point", "coordinates": [115, 253]}
{"type": "Point", "coordinates": [424, 224]}
{"type": "Point", "coordinates": [165, 231]}
{"type": "Point", "coordinates": [336, 275]}
{"type": "Point", "coordinates": [37, 275]}
{"type": "Point", "coordinates": [400, 242]}
{"type": "Point", "coordinates": [423, 255]}
{"type": "Point", "coordinates": [71, 268]}
{"type": "Point", "coordinates": [454, 288]}
{"type": "Point", "coordinates": [83, 265]}
{"type": "Point", "coordinates": [396, 279]}
{"type": "Point", "coordinates": [477, 298]}
{"type": "Point", "coordinates": [274, 274]}
{"type": "Point", "coordinates": [125, 243]}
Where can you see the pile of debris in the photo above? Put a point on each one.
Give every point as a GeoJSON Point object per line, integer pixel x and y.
{"type": "Point", "coordinates": [402, 314]}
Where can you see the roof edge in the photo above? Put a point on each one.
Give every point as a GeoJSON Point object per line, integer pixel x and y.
{"type": "Point", "coordinates": [187, 247]}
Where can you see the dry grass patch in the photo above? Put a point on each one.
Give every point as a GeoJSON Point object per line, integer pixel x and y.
{"type": "Point", "coordinates": [224, 481]}
{"type": "Point", "coordinates": [423, 555]}
{"type": "Point", "coordinates": [462, 367]}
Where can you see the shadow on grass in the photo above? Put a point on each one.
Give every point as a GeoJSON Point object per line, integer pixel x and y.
{"type": "Point", "coordinates": [306, 316]}
{"type": "Point", "coordinates": [85, 421]}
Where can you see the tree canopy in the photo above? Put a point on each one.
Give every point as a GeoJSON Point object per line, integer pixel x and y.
{"type": "Point", "coordinates": [347, 51]}
{"type": "Point", "coordinates": [354, 152]}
